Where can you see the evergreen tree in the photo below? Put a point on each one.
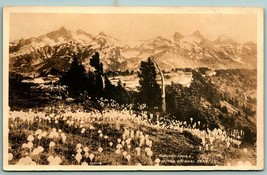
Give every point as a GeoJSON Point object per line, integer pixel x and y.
{"type": "Point", "coordinates": [149, 90]}
{"type": "Point", "coordinates": [99, 79]}
{"type": "Point", "coordinates": [75, 77]}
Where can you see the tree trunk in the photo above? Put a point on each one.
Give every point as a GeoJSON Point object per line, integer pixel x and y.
{"type": "Point", "coordinates": [163, 100]}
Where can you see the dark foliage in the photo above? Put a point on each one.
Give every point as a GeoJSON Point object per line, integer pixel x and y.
{"type": "Point", "coordinates": [75, 78]}
{"type": "Point", "coordinates": [149, 90]}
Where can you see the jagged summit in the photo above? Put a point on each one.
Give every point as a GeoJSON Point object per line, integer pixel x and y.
{"type": "Point", "coordinates": [224, 39]}
{"type": "Point", "coordinates": [171, 52]}
{"type": "Point", "coordinates": [197, 34]}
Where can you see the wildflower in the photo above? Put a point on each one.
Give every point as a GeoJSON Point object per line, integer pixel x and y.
{"type": "Point", "coordinates": [119, 146]}
{"type": "Point", "coordinates": [79, 150]}
{"type": "Point", "coordinates": [129, 147]}
{"type": "Point", "coordinates": [84, 164]}
{"type": "Point", "coordinates": [38, 132]}
{"type": "Point", "coordinates": [39, 137]}
{"type": "Point", "coordinates": [101, 135]}
{"type": "Point", "coordinates": [86, 149]}
{"type": "Point", "coordinates": [191, 119]}
{"type": "Point", "coordinates": [78, 157]}
{"type": "Point", "coordinates": [91, 156]}
{"type": "Point", "coordinates": [124, 153]}
{"type": "Point", "coordinates": [138, 150]}
{"type": "Point", "coordinates": [52, 144]}
{"type": "Point", "coordinates": [30, 138]}
{"type": "Point", "coordinates": [100, 149]}
{"type": "Point", "coordinates": [110, 144]}
{"type": "Point", "coordinates": [119, 140]}
{"type": "Point", "coordinates": [24, 145]}
{"type": "Point", "coordinates": [99, 131]}
{"type": "Point", "coordinates": [10, 156]}
{"type": "Point", "coordinates": [54, 160]}
{"type": "Point", "coordinates": [37, 150]}
{"type": "Point", "coordinates": [105, 137]}
{"type": "Point", "coordinates": [149, 153]}
{"type": "Point", "coordinates": [78, 145]}
{"type": "Point", "coordinates": [83, 130]}
{"type": "Point", "coordinates": [128, 157]}
{"type": "Point", "coordinates": [63, 136]}
{"type": "Point", "coordinates": [26, 161]}
{"type": "Point", "coordinates": [30, 145]}
{"type": "Point", "coordinates": [118, 151]}
{"type": "Point", "coordinates": [157, 160]}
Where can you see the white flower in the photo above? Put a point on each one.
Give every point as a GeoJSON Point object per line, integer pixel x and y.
{"type": "Point", "coordinates": [78, 157]}
{"type": "Point", "coordinates": [128, 157]}
{"type": "Point", "coordinates": [39, 137]}
{"type": "Point", "coordinates": [79, 150]}
{"type": "Point", "coordinates": [83, 130]}
{"type": "Point", "coordinates": [157, 160]}
{"type": "Point", "coordinates": [84, 164]}
{"type": "Point", "coordinates": [54, 160]}
{"type": "Point", "coordinates": [110, 144]}
{"type": "Point", "coordinates": [52, 144]}
{"type": "Point", "coordinates": [124, 153]}
{"type": "Point", "coordinates": [30, 145]}
{"type": "Point", "coordinates": [24, 145]}
{"type": "Point", "coordinates": [119, 140]}
{"type": "Point", "coordinates": [118, 151]}
{"type": "Point", "coordinates": [138, 150]}
{"type": "Point", "coordinates": [101, 135]}
{"type": "Point", "coordinates": [100, 149]}
{"type": "Point", "coordinates": [78, 145]}
{"type": "Point", "coordinates": [10, 156]}
{"type": "Point", "coordinates": [26, 161]}
{"type": "Point", "coordinates": [30, 138]}
{"type": "Point", "coordinates": [99, 131]}
{"type": "Point", "coordinates": [105, 137]}
{"type": "Point", "coordinates": [119, 146]}
{"type": "Point", "coordinates": [37, 150]}
{"type": "Point", "coordinates": [129, 146]}
{"type": "Point", "coordinates": [86, 149]}
{"type": "Point", "coordinates": [150, 153]}
{"type": "Point", "coordinates": [39, 131]}
{"type": "Point", "coordinates": [91, 156]}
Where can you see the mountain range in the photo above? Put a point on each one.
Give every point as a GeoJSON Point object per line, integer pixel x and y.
{"type": "Point", "coordinates": [55, 50]}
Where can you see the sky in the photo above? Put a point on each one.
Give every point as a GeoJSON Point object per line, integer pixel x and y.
{"type": "Point", "coordinates": [132, 27]}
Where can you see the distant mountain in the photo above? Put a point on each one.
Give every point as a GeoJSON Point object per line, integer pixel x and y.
{"type": "Point", "coordinates": [55, 50]}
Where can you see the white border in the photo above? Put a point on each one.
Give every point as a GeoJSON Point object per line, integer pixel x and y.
{"type": "Point", "coordinates": [138, 10]}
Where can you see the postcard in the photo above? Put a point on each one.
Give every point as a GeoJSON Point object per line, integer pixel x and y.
{"type": "Point", "coordinates": [133, 88]}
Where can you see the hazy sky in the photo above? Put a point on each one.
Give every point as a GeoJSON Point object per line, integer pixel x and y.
{"type": "Point", "coordinates": [131, 27]}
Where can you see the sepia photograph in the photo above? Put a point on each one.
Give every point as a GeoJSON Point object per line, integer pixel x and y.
{"type": "Point", "coordinates": [133, 88]}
